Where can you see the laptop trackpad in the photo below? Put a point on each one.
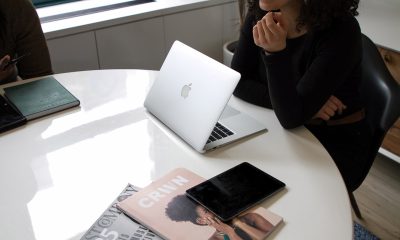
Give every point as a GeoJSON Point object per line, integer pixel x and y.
{"type": "Point", "coordinates": [229, 112]}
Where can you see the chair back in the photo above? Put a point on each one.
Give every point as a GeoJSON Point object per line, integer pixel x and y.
{"type": "Point", "coordinates": [381, 94]}
{"type": "Point", "coordinates": [380, 91]}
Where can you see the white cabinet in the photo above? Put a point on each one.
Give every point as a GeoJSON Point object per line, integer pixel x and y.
{"type": "Point", "coordinates": [200, 29]}
{"type": "Point", "coordinates": [138, 45]}
{"type": "Point", "coordinates": [73, 53]}
{"type": "Point", "coordinates": [143, 43]}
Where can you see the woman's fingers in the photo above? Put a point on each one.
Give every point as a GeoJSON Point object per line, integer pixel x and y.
{"type": "Point", "coordinates": [272, 24]}
{"type": "Point", "coordinates": [269, 34]}
{"type": "Point", "coordinates": [256, 36]}
{"type": "Point", "coordinates": [332, 106]}
{"type": "Point", "coordinates": [270, 28]}
{"type": "Point", "coordinates": [259, 35]}
{"type": "Point", "coordinates": [4, 61]}
{"type": "Point", "coordinates": [329, 111]}
{"type": "Point", "coordinates": [266, 25]}
{"type": "Point", "coordinates": [323, 116]}
{"type": "Point", "coordinates": [338, 103]}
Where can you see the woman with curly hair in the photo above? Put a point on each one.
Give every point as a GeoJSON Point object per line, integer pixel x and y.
{"type": "Point", "coordinates": [302, 58]}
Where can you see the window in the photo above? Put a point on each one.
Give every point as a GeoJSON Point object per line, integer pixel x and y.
{"type": "Point", "coordinates": [48, 11]}
{"type": "Point", "coordinates": [46, 3]}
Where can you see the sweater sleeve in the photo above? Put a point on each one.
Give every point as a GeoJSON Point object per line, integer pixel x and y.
{"type": "Point", "coordinates": [296, 99]}
{"type": "Point", "coordinates": [247, 60]}
{"type": "Point", "coordinates": [29, 38]}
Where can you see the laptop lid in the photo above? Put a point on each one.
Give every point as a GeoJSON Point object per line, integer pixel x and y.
{"type": "Point", "coordinates": [190, 93]}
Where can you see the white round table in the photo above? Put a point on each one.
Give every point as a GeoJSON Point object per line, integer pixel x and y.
{"type": "Point", "coordinates": [59, 173]}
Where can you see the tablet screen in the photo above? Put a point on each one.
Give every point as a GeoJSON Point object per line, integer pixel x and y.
{"type": "Point", "coordinates": [235, 190]}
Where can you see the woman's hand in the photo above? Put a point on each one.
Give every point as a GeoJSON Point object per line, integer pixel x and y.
{"type": "Point", "coordinates": [270, 32]}
{"type": "Point", "coordinates": [330, 108]}
{"type": "Point", "coordinates": [7, 73]}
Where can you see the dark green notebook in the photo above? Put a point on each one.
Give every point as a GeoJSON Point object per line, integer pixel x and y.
{"type": "Point", "coordinates": [41, 97]}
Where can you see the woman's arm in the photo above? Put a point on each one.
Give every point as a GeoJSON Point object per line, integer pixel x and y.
{"type": "Point", "coordinates": [30, 40]}
{"type": "Point", "coordinates": [296, 99]}
{"type": "Point", "coordinates": [247, 61]}
{"type": "Point", "coordinates": [7, 73]}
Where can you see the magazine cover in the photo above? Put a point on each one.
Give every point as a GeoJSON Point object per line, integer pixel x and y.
{"type": "Point", "coordinates": [113, 224]}
{"type": "Point", "coordinates": [164, 208]}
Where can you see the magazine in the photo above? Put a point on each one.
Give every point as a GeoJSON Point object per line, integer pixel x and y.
{"type": "Point", "coordinates": [165, 209]}
{"type": "Point", "coordinates": [113, 224]}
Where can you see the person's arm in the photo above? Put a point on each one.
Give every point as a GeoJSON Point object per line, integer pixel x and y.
{"type": "Point", "coordinates": [252, 86]}
{"type": "Point", "coordinates": [30, 40]}
{"type": "Point", "coordinates": [7, 73]}
{"type": "Point", "coordinates": [297, 101]}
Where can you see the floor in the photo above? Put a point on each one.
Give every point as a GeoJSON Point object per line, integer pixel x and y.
{"type": "Point", "coordinates": [379, 199]}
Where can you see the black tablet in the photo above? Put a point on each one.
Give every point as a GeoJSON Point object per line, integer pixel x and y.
{"type": "Point", "coordinates": [10, 117]}
{"type": "Point", "coordinates": [230, 193]}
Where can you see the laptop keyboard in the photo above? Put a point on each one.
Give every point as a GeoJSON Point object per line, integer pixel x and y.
{"type": "Point", "coordinates": [219, 132]}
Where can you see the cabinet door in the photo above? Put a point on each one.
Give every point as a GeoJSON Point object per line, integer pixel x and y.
{"type": "Point", "coordinates": [136, 45]}
{"type": "Point", "coordinates": [73, 53]}
{"type": "Point", "coordinates": [200, 29]}
{"type": "Point", "coordinates": [231, 22]}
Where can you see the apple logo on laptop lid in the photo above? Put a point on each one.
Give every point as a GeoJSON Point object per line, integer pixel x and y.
{"type": "Point", "coordinates": [186, 90]}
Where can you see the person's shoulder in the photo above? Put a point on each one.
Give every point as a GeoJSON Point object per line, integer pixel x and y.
{"type": "Point", "coordinates": [347, 28]}
{"type": "Point", "coordinates": [341, 31]}
{"type": "Point", "coordinates": [16, 8]}
{"type": "Point", "coordinates": [343, 36]}
{"type": "Point", "coordinates": [16, 4]}
{"type": "Point", "coordinates": [347, 24]}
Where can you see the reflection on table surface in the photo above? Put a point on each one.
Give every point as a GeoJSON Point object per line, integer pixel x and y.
{"type": "Point", "coordinates": [59, 173]}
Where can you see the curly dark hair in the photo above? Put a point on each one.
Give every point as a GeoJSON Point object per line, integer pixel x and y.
{"type": "Point", "coordinates": [314, 13]}
{"type": "Point", "coordinates": [182, 209]}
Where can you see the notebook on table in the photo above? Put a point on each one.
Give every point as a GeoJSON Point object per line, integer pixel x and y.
{"type": "Point", "coordinates": [40, 97]}
{"type": "Point", "coordinates": [190, 96]}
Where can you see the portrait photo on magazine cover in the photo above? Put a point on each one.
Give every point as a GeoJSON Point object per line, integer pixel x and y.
{"type": "Point", "coordinates": [249, 226]}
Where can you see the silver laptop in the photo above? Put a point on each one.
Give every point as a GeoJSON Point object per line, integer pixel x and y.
{"type": "Point", "coordinates": [190, 96]}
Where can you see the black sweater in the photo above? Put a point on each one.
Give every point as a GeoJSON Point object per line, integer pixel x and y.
{"type": "Point", "coordinates": [21, 33]}
{"type": "Point", "coordinates": [297, 81]}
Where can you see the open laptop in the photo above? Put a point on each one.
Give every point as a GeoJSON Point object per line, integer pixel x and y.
{"type": "Point", "coordinates": [190, 96]}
